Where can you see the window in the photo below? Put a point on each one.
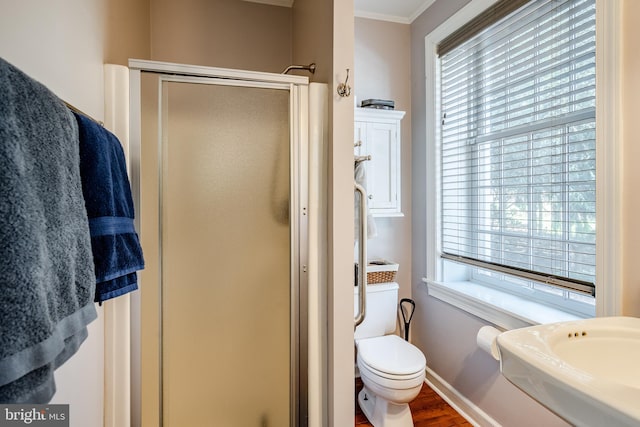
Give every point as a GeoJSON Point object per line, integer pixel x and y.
{"type": "Point", "coordinates": [517, 145]}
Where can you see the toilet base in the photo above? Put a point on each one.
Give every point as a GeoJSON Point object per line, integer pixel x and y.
{"type": "Point", "coordinates": [382, 413]}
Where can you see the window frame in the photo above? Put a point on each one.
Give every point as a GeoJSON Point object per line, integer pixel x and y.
{"type": "Point", "coordinates": [608, 173]}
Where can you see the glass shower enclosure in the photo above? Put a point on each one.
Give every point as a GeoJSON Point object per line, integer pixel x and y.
{"type": "Point", "coordinates": [218, 178]}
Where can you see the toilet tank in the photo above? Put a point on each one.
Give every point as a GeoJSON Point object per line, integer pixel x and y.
{"type": "Point", "coordinates": [381, 310]}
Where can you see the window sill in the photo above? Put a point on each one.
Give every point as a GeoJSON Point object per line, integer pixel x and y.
{"type": "Point", "coordinates": [504, 310]}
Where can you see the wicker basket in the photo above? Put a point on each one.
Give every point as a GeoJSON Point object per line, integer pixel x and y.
{"type": "Point", "coordinates": [380, 271]}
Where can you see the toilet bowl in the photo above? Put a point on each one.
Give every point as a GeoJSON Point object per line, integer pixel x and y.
{"type": "Point", "coordinates": [392, 370]}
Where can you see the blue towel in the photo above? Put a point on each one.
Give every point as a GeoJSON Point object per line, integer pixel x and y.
{"type": "Point", "coordinates": [117, 254]}
{"type": "Point", "coordinates": [47, 279]}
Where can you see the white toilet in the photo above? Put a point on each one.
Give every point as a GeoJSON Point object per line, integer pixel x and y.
{"type": "Point", "coordinates": [391, 368]}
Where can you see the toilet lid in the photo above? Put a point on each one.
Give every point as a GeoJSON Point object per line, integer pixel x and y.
{"type": "Point", "coordinates": [392, 355]}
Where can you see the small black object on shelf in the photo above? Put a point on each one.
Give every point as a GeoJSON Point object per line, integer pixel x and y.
{"type": "Point", "coordinates": [383, 104]}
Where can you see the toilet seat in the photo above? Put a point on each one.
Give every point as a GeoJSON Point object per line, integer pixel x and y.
{"type": "Point", "coordinates": [383, 375]}
{"type": "Point", "coordinates": [391, 357]}
{"type": "Point", "coordinates": [397, 384]}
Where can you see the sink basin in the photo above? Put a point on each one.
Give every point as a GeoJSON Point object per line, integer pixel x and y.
{"type": "Point", "coordinates": [585, 371]}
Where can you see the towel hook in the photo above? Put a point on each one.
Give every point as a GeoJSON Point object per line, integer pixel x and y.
{"type": "Point", "coordinates": [343, 88]}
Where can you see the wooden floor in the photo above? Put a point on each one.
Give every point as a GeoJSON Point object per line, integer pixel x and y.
{"type": "Point", "coordinates": [428, 409]}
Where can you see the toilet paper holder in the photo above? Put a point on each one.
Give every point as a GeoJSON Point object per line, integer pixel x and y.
{"type": "Point", "coordinates": [486, 340]}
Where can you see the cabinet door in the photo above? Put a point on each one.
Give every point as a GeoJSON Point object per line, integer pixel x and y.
{"type": "Point", "coordinates": [382, 171]}
{"type": "Point", "coordinates": [378, 131]}
{"type": "Point", "coordinates": [380, 141]}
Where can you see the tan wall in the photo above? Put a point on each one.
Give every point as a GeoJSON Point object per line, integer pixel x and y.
{"type": "Point", "coordinates": [323, 33]}
{"type": "Point", "coordinates": [127, 31]}
{"type": "Point", "coordinates": [312, 38]}
{"type": "Point", "coordinates": [631, 157]}
{"type": "Point", "coordinates": [383, 71]}
{"type": "Point", "coordinates": [221, 33]}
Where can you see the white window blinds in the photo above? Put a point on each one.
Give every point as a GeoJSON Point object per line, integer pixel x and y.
{"type": "Point", "coordinates": [518, 145]}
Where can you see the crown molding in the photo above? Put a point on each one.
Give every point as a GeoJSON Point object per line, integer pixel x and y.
{"type": "Point", "coordinates": [359, 13]}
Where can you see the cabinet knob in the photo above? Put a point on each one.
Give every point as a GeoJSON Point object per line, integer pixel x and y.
{"type": "Point", "coordinates": [358, 144]}
{"type": "Point", "coordinates": [370, 196]}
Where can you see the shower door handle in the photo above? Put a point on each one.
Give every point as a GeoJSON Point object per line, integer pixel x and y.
{"type": "Point", "coordinates": [362, 256]}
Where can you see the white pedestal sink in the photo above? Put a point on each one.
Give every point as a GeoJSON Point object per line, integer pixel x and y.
{"type": "Point", "coordinates": [585, 371]}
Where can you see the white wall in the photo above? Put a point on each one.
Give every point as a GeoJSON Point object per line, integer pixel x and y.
{"type": "Point", "coordinates": [382, 70]}
{"type": "Point", "coordinates": [60, 44]}
{"type": "Point", "coordinates": [342, 405]}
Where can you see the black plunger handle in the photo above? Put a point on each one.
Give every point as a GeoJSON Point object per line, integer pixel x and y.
{"type": "Point", "coordinates": [404, 317]}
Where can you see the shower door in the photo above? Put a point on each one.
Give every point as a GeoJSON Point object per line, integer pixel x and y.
{"type": "Point", "coordinates": [220, 202]}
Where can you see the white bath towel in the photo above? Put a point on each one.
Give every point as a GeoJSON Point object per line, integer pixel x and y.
{"type": "Point", "coordinates": [360, 176]}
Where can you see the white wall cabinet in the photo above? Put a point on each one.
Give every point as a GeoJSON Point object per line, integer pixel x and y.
{"type": "Point", "coordinates": [377, 133]}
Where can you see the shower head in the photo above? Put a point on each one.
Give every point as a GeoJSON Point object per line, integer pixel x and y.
{"type": "Point", "coordinates": [310, 68]}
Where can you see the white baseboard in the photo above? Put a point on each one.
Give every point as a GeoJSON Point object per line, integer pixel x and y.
{"type": "Point", "coordinates": [472, 413]}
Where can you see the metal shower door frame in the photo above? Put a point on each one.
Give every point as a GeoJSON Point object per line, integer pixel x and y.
{"type": "Point", "coordinates": [298, 208]}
